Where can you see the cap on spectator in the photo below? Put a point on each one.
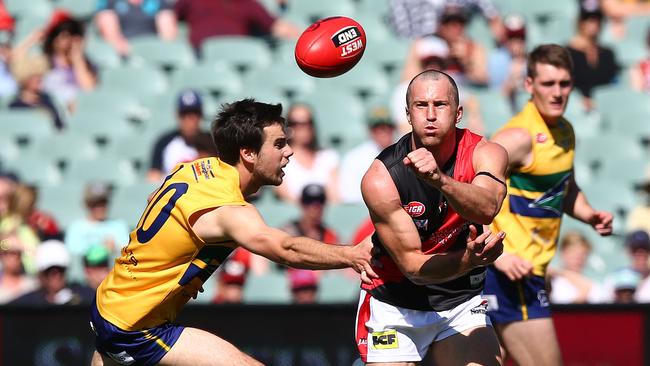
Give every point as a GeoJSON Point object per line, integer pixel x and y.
{"type": "Point", "coordinates": [97, 192]}
{"type": "Point", "coordinates": [189, 101]}
{"type": "Point", "coordinates": [234, 272]}
{"type": "Point", "coordinates": [626, 279]}
{"type": "Point", "coordinates": [51, 253]}
{"type": "Point", "coordinates": [302, 279]}
{"type": "Point", "coordinates": [27, 66]}
{"type": "Point", "coordinates": [432, 48]}
{"type": "Point", "coordinates": [515, 26]}
{"type": "Point", "coordinates": [453, 13]}
{"type": "Point", "coordinates": [313, 193]}
{"type": "Point", "coordinates": [58, 16]}
{"type": "Point", "coordinates": [638, 239]}
{"type": "Point", "coordinates": [590, 9]}
{"type": "Point", "coordinates": [97, 256]}
{"type": "Point", "coordinates": [379, 115]}
{"type": "Point", "coordinates": [7, 23]}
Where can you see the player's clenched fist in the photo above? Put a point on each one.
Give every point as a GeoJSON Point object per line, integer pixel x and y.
{"type": "Point", "coordinates": [423, 164]}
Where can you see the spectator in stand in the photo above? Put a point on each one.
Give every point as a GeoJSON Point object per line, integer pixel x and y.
{"type": "Point", "coordinates": [8, 85]}
{"type": "Point", "coordinates": [70, 70]}
{"type": "Point", "coordinates": [310, 223]}
{"type": "Point", "coordinates": [624, 282]}
{"type": "Point", "coordinates": [304, 285]}
{"type": "Point", "coordinates": [119, 21]}
{"type": "Point", "coordinates": [232, 277]}
{"type": "Point", "coordinates": [43, 224]}
{"type": "Point", "coordinates": [569, 285]}
{"type": "Point", "coordinates": [593, 64]}
{"type": "Point", "coordinates": [638, 249]}
{"type": "Point", "coordinates": [418, 18]}
{"type": "Point", "coordinates": [96, 228]}
{"type": "Point", "coordinates": [356, 162]}
{"type": "Point", "coordinates": [177, 146]}
{"type": "Point", "coordinates": [640, 73]}
{"type": "Point", "coordinates": [14, 282]}
{"type": "Point", "coordinates": [617, 11]}
{"type": "Point", "coordinates": [97, 265]}
{"type": "Point", "coordinates": [28, 70]}
{"type": "Point", "coordinates": [639, 217]}
{"type": "Point", "coordinates": [12, 224]}
{"type": "Point", "coordinates": [52, 261]}
{"type": "Point", "coordinates": [507, 64]}
{"type": "Point", "coordinates": [310, 163]}
{"type": "Point", "coordinates": [208, 18]}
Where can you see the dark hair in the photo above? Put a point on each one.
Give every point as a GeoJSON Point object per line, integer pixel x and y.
{"type": "Point", "coordinates": [241, 124]}
{"type": "Point", "coordinates": [550, 54]}
{"type": "Point", "coordinates": [72, 26]}
{"type": "Point", "coordinates": [313, 144]}
{"type": "Point", "coordinates": [432, 74]}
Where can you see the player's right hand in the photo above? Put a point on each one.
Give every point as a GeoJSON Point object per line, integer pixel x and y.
{"type": "Point", "coordinates": [513, 266]}
{"type": "Point", "coordinates": [484, 249]}
{"type": "Point", "coordinates": [362, 256]}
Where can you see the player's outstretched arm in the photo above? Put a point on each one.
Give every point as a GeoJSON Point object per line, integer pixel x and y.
{"type": "Point", "coordinates": [576, 205]}
{"type": "Point", "coordinates": [400, 237]}
{"type": "Point", "coordinates": [245, 226]}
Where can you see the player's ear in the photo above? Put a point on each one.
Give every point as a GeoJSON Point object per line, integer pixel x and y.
{"type": "Point", "coordinates": [459, 114]}
{"type": "Point", "coordinates": [408, 115]}
{"type": "Point", "coordinates": [528, 85]}
{"type": "Point", "coordinates": [247, 155]}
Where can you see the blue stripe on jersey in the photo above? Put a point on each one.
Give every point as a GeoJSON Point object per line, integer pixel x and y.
{"type": "Point", "coordinates": [527, 207]}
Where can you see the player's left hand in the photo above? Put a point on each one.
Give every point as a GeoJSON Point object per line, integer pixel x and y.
{"type": "Point", "coordinates": [602, 222]}
{"type": "Point", "coordinates": [424, 165]}
{"type": "Point", "coordinates": [362, 258]}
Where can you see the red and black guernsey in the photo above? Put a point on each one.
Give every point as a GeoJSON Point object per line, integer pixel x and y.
{"type": "Point", "coordinates": [441, 229]}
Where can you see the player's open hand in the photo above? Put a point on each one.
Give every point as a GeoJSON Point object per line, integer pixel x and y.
{"type": "Point", "coordinates": [513, 266]}
{"type": "Point", "coordinates": [485, 248]}
{"type": "Point", "coordinates": [602, 222]}
{"type": "Point", "coordinates": [424, 165]}
{"type": "Point", "coordinates": [361, 259]}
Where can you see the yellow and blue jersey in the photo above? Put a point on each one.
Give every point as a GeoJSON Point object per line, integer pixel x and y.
{"type": "Point", "coordinates": [165, 263]}
{"type": "Point", "coordinates": [532, 211]}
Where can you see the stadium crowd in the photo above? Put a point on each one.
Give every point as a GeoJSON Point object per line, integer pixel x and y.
{"type": "Point", "coordinates": [99, 103]}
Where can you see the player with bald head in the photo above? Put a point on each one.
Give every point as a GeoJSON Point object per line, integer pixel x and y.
{"type": "Point", "coordinates": [428, 196]}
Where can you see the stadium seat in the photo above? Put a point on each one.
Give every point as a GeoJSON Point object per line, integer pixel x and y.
{"type": "Point", "coordinates": [378, 8]}
{"type": "Point", "coordinates": [100, 126]}
{"type": "Point", "coordinates": [628, 171]}
{"type": "Point", "coordinates": [25, 124]}
{"type": "Point", "coordinates": [113, 102]}
{"type": "Point", "coordinates": [613, 195]}
{"type": "Point", "coordinates": [493, 106]}
{"type": "Point", "coordinates": [167, 55]}
{"type": "Point", "coordinates": [269, 288]}
{"type": "Point", "coordinates": [65, 202]}
{"type": "Point", "coordinates": [136, 80]}
{"type": "Point", "coordinates": [345, 218]}
{"type": "Point", "coordinates": [136, 148]}
{"type": "Point", "coordinates": [389, 54]}
{"type": "Point", "coordinates": [80, 9]}
{"type": "Point", "coordinates": [211, 79]}
{"type": "Point", "coordinates": [610, 99]}
{"type": "Point", "coordinates": [102, 54]}
{"type": "Point", "coordinates": [262, 94]}
{"type": "Point", "coordinates": [25, 9]}
{"type": "Point", "coordinates": [312, 10]}
{"type": "Point", "coordinates": [286, 80]}
{"type": "Point", "coordinates": [104, 168]}
{"type": "Point", "coordinates": [67, 146]}
{"type": "Point", "coordinates": [244, 53]}
{"type": "Point", "coordinates": [375, 25]}
{"type": "Point", "coordinates": [8, 149]}
{"type": "Point", "coordinates": [336, 288]}
{"type": "Point", "coordinates": [129, 201]}
{"type": "Point", "coordinates": [35, 169]}
{"type": "Point", "coordinates": [366, 79]}
{"type": "Point", "coordinates": [608, 147]}
{"type": "Point", "coordinates": [277, 213]}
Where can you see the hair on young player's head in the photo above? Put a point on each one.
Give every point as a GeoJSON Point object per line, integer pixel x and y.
{"type": "Point", "coordinates": [550, 54]}
{"type": "Point", "coordinates": [435, 75]}
{"type": "Point", "coordinates": [241, 124]}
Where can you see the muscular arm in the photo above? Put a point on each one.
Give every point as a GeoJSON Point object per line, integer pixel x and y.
{"type": "Point", "coordinates": [577, 206]}
{"type": "Point", "coordinates": [400, 237]}
{"type": "Point", "coordinates": [244, 225]}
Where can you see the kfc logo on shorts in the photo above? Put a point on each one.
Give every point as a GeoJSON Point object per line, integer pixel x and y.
{"type": "Point", "coordinates": [385, 340]}
{"type": "Point", "coordinates": [541, 138]}
{"type": "Point", "coordinates": [415, 208]}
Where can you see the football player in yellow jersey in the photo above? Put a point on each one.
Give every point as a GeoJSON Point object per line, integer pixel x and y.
{"type": "Point", "coordinates": [191, 224]}
{"type": "Point", "coordinates": [541, 187]}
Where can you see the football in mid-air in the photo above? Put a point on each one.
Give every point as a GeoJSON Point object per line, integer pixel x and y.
{"type": "Point", "coordinates": [330, 47]}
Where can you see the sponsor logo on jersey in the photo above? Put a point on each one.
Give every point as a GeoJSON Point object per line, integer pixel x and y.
{"type": "Point", "coordinates": [541, 138]}
{"type": "Point", "coordinates": [349, 41]}
{"type": "Point", "coordinates": [415, 208]}
{"type": "Point", "coordinates": [202, 169]}
{"type": "Point", "coordinates": [480, 308]}
{"type": "Point", "coordinates": [385, 340]}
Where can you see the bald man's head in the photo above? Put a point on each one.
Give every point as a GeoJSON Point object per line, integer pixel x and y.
{"type": "Point", "coordinates": [434, 75]}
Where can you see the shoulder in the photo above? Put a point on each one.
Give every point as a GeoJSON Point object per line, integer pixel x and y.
{"type": "Point", "coordinates": [377, 179]}
{"type": "Point", "coordinates": [512, 136]}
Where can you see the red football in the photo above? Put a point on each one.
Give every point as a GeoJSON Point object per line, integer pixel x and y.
{"type": "Point", "coordinates": [330, 47]}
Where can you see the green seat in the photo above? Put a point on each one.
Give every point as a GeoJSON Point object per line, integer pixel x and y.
{"type": "Point", "coordinates": [105, 168]}
{"type": "Point", "coordinates": [613, 195]}
{"type": "Point", "coordinates": [112, 102]}
{"type": "Point", "coordinates": [167, 55]}
{"type": "Point", "coordinates": [366, 79]}
{"type": "Point", "coordinates": [335, 287]}
{"type": "Point", "coordinates": [623, 170]}
{"type": "Point", "coordinates": [378, 8]}
{"type": "Point", "coordinates": [608, 147]}
{"type": "Point", "coordinates": [26, 124]}
{"type": "Point", "coordinates": [265, 95]}
{"type": "Point", "coordinates": [35, 169]}
{"type": "Point", "coordinates": [65, 202]}
{"type": "Point", "coordinates": [33, 8]}
{"type": "Point", "coordinates": [81, 9]}
{"type": "Point", "coordinates": [375, 25]}
{"type": "Point", "coordinates": [277, 213]}
{"type": "Point", "coordinates": [102, 54]}
{"type": "Point", "coordinates": [610, 99]}
{"type": "Point", "coordinates": [137, 80]}
{"type": "Point", "coordinates": [212, 79]}
{"type": "Point", "coordinates": [345, 218]}
{"type": "Point", "coordinates": [129, 201]}
{"type": "Point", "coordinates": [312, 10]}
{"type": "Point", "coordinates": [269, 288]}
{"type": "Point", "coordinates": [284, 79]}
{"type": "Point", "coordinates": [241, 52]}
{"type": "Point", "coordinates": [389, 54]}
{"type": "Point", "coordinates": [9, 149]}
{"type": "Point", "coordinates": [100, 126]}
{"type": "Point", "coordinates": [67, 146]}
{"type": "Point", "coordinates": [494, 109]}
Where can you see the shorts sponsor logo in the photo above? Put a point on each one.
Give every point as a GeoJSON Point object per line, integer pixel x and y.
{"type": "Point", "coordinates": [122, 358]}
{"type": "Point", "coordinates": [385, 340]}
{"type": "Point", "coordinates": [542, 296]}
{"type": "Point", "coordinates": [481, 308]}
{"type": "Point", "coordinates": [415, 208]}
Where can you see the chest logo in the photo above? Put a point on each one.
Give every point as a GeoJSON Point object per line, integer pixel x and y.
{"type": "Point", "coordinates": [415, 208]}
{"type": "Point", "coordinates": [541, 138]}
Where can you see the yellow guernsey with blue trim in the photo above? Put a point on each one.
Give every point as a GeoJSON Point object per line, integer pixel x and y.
{"type": "Point", "coordinates": [165, 262]}
{"type": "Point", "coordinates": [532, 211]}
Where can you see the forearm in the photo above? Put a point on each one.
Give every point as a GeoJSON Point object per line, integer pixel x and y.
{"type": "Point", "coordinates": [305, 253]}
{"type": "Point", "coordinates": [472, 202]}
{"type": "Point", "coordinates": [576, 204]}
{"type": "Point", "coordinates": [438, 268]}
{"type": "Point", "coordinates": [85, 77]}
{"type": "Point", "coordinates": [166, 25]}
